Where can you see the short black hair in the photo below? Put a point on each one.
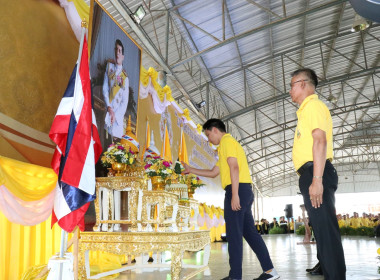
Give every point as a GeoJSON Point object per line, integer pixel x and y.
{"type": "Point", "coordinates": [118, 42]}
{"type": "Point", "coordinates": [309, 73]}
{"type": "Point", "coordinates": [208, 125]}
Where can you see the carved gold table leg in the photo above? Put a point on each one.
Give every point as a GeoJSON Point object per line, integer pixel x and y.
{"type": "Point", "coordinates": [81, 266]}
{"type": "Point", "coordinates": [96, 204]}
{"type": "Point", "coordinates": [176, 266]}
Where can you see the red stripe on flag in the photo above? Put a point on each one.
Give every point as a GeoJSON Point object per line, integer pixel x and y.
{"type": "Point", "coordinates": [58, 133]}
{"type": "Point", "coordinates": [97, 145]}
{"type": "Point", "coordinates": [73, 219]}
{"type": "Point", "coordinates": [56, 161]}
{"type": "Point", "coordinates": [82, 138]}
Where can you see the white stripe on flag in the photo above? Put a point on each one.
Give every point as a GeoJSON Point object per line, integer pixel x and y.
{"type": "Point", "coordinates": [65, 107]}
{"type": "Point", "coordinates": [93, 119]}
{"type": "Point", "coordinates": [61, 208]}
{"type": "Point", "coordinates": [78, 97]}
{"type": "Point", "coordinates": [87, 179]}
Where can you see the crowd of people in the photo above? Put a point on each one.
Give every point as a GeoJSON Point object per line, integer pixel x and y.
{"type": "Point", "coordinates": [354, 221]}
{"type": "Point", "coordinates": [263, 226]}
{"type": "Point", "coordinates": [366, 220]}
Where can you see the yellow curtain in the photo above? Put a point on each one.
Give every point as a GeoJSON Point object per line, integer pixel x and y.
{"type": "Point", "coordinates": [24, 246]}
{"type": "Point", "coordinates": [26, 181]}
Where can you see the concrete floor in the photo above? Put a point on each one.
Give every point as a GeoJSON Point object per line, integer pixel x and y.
{"type": "Point", "coordinates": [289, 259]}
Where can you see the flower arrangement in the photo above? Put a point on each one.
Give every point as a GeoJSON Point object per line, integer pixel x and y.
{"type": "Point", "coordinates": [194, 182]}
{"type": "Point", "coordinates": [156, 166]}
{"type": "Point", "coordinates": [117, 153]}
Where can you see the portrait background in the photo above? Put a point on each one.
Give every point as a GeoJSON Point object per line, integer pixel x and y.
{"type": "Point", "coordinates": [103, 34]}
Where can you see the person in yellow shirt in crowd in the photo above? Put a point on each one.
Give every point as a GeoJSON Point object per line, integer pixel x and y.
{"type": "Point", "coordinates": [341, 222]}
{"type": "Point", "coordinates": [264, 226]}
{"type": "Point", "coordinates": [312, 155]}
{"type": "Point", "coordinates": [365, 221]}
{"type": "Point", "coordinates": [258, 226]}
{"type": "Point", "coordinates": [291, 225]}
{"type": "Point", "coordinates": [237, 183]}
{"type": "Point", "coordinates": [346, 219]}
{"type": "Point", "coordinates": [355, 221]}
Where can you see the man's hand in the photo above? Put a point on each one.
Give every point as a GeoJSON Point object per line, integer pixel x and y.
{"type": "Point", "coordinates": [319, 159]}
{"type": "Point", "coordinates": [186, 167]}
{"type": "Point", "coordinates": [316, 192]}
{"type": "Point", "coordinates": [235, 203]}
{"type": "Point", "coordinates": [112, 114]}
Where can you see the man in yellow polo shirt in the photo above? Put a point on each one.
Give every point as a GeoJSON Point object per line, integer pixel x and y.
{"type": "Point", "coordinates": [236, 181]}
{"type": "Point", "coordinates": [312, 156]}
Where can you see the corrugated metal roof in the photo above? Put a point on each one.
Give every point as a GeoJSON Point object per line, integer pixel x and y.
{"type": "Point", "coordinates": [245, 51]}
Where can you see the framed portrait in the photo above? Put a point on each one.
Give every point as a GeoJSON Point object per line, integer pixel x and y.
{"type": "Point", "coordinates": [115, 61]}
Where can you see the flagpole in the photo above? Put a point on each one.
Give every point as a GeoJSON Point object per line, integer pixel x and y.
{"type": "Point", "coordinates": [180, 145]}
{"type": "Point", "coordinates": [163, 153]}
{"type": "Point", "coordinates": [64, 233]}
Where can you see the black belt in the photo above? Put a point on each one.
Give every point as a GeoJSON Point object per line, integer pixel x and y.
{"type": "Point", "coordinates": [304, 167]}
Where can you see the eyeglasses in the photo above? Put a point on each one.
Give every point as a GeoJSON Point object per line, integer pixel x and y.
{"type": "Point", "coordinates": [291, 84]}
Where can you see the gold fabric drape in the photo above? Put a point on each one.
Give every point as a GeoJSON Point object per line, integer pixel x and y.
{"type": "Point", "coordinates": [24, 246]}
{"type": "Point", "coordinates": [26, 181]}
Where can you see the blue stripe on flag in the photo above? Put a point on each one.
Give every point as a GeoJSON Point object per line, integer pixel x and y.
{"type": "Point", "coordinates": [75, 198]}
{"type": "Point", "coordinates": [71, 85]}
{"type": "Point", "coordinates": [70, 136]}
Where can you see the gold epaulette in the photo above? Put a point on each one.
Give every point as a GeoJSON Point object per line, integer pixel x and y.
{"type": "Point", "coordinates": [111, 60]}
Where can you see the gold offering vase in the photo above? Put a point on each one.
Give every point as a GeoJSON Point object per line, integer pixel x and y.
{"type": "Point", "coordinates": [158, 183]}
{"type": "Point", "coordinates": [111, 172]}
{"type": "Point", "coordinates": [118, 168]}
{"type": "Point", "coordinates": [190, 191]}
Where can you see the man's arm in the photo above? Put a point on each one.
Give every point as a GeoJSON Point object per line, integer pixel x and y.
{"type": "Point", "coordinates": [319, 161]}
{"type": "Point", "coordinates": [234, 173]}
{"type": "Point", "coordinates": [105, 92]}
{"type": "Point", "coordinates": [105, 89]}
{"type": "Point", "coordinates": [212, 173]}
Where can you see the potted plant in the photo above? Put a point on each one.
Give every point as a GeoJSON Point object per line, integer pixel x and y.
{"type": "Point", "coordinates": [158, 170]}
{"type": "Point", "coordinates": [117, 158]}
{"type": "Point", "coordinates": [193, 182]}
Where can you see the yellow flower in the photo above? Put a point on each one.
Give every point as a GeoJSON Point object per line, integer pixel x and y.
{"type": "Point", "coordinates": [194, 181]}
{"type": "Point", "coordinates": [131, 160]}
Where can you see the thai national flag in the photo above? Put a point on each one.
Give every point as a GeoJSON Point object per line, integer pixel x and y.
{"type": "Point", "coordinates": [78, 148]}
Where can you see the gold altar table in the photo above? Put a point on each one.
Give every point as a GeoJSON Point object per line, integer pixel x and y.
{"type": "Point", "coordinates": [143, 242]}
{"type": "Point", "coordinates": [105, 204]}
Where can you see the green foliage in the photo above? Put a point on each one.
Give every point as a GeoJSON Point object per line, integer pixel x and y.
{"type": "Point", "coordinates": [361, 231]}
{"type": "Point", "coordinates": [352, 231]}
{"type": "Point", "coordinates": [117, 153]}
{"type": "Point", "coordinates": [177, 168]}
{"type": "Point", "coordinates": [300, 230]}
{"type": "Point", "coordinates": [365, 231]}
{"type": "Point", "coordinates": [344, 230]}
{"type": "Point", "coordinates": [276, 230]}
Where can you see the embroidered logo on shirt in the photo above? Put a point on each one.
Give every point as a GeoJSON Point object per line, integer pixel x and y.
{"type": "Point", "coordinates": [298, 133]}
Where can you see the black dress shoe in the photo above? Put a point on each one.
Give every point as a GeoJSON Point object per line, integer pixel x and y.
{"type": "Point", "coordinates": [317, 271]}
{"type": "Point", "coordinates": [311, 269]}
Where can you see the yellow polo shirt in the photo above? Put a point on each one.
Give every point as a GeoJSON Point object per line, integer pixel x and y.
{"type": "Point", "coordinates": [229, 147]}
{"type": "Point", "coordinates": [312, 114]}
